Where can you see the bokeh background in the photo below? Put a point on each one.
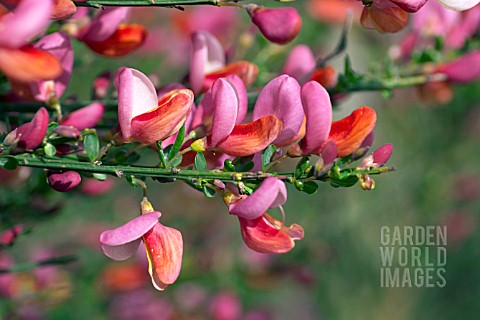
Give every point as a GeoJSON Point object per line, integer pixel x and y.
{"type": "Point", "coordinates": [334, 273]}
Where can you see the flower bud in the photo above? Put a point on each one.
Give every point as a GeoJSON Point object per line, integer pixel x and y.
{"type": "Point", "coordinates": [67, 132]}
{"type": "Point", "coordinates": [279, 25]}
{"type": "Point", "coordinates": [63, 181]}
{"type": "Point", "coordinates": [366, 182]}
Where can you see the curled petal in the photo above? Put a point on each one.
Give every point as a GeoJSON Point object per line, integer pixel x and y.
{"type": "Point", "coordinates": [163, 121]}
{"type": "Point", "coordinates": [458, 5]}
{"type": "Point", "coordinates": [29, 64]}
{"type": "Point", "coordinates": [271, 193]}
{"type": "Point", "coordinates": [207, 55]}
{"type": "Point", "coordinates": [281, 97]}
{"type": "Point", "coordinates": [136, 95]}
{"type": "Point", "coordinates": [164, 247]}
{"type": "Point", "coordinates": [63, 181]}
{"type": "Point", "coordinates": [318, 111]}
{"type": "Point", "coordinates": [124, 40]}
{"type": "Point", "coordinates": [279, 25]}
{"type": "Point", "coordinates": [225, 101]}
{"type": "Point", "coordinates": [300, 62]}
{"type": "Point", "coordinates": [349, 132]}
{"type": "Point", "coordinates": [86, 117]}
{"type": "Point", "coordinates": [464, 69]}
{"type": "Point", "coordinates": [121, 243]}
{"type": "Point", "coordinates": [410, 5]}
{"type": "Point", "coordinates": [248, 139]}
{"type": "Point", "coordinates": [28, 19]}
{"type": "Point", "coordinates": [104, 25]}
{"type": "Point", "coordinates": [268, 235]}
{"type": "Point", "coordinates": [30, 135]}
{"type": "Point", "coordinates": [245, 70]}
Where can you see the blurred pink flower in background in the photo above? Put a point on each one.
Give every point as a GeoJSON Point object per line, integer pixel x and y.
{"type": "Point", "coordinates": [225, 306]}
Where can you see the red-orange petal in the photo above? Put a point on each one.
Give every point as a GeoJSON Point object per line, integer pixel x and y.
{"type": "Point", "coordinates": [163, 121]}
{"type": "Point", "coordinates": [250, 138]}
{"type": "Point", "coordinates": [124, 40]}
{"type": "Point", "coordinates": [245, 70]}
{"type": "Point", "coordinates": [29, 64]}
{"type": "Point", "coordinates": [349, 132]}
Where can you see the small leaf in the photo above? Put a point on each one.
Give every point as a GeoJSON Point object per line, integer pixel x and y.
{"type": "Point", "coordinates": [267, 155]}
{"type": "Point", "coordinates": [200, 162]}
{"type": "Point", "coordinates": [91, 145]}
{"type": "Point", "coordinates": [100, 176]}
{"type": "Point", "coordinates": [228, 166]}
{"type": "Point", "coordinates": [50, 150]}
{"type": "Point", "coordinates": [301, 166]}
{"type": "Point", "coordinates": [8, 163]}
{"type": "Point", "coordinates": [177, 161]}
{"type": "Point", "coordinates": [346, 183]}
{"type": "Point", "coordinates": [310, 187]}
{"type": "Point", "coordinates": [178, 143]}
{"type": "Point", "coordinates": [208, 192]}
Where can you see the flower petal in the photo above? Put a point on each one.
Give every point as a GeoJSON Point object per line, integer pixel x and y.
{"type": "Point", "coordinates": [349, 132]}
{"type": "Point", "coordinates": [163, 121]}
{"type": "Point", "coordinates": [271, 193]}
{"type": "Point", "coordinates": [29, 64]}
{"type": "Point", "coordinates": [300, 62]}
{"type": "Point", "coordinates": [28, 19]}
{"type": "Point", "coordinates": [384, 17]}
{"type": "Point", "coordinates": [226, 103]}
{"type": "Point", "coordinates": [281, 97]}
{"type": "Point", "coordinates": [463, 69]}
{"type": "Point", "coordinates": [104, 24]}
{"type": "Point", "coordinates": [30, 135]}
{"type": "Point", "coordinates": [164, 247]}
{"type": "Point", "coordinates": [122, 242]}
{"type": "Point", "coordinates": [136, 95]}
{"type": "Point", "coordinates": [63, 181]}
{"type": "Point", "coordinates": [382, 154]}
{"type": "Point", "coordinates": [318, 111]}
{"type": "Point", "coordinates": [458, 5]}
{"type": "Point", "coordinates": [410, 5]}
{"type": "Point", "coordinates": [248, 139]}
{"type": "Point", "coordinates": [245, 70]}
{"type": "Point", "coordinates": [239, 86]}
{"type": "Point", "coordinates": [268, 235]}
{"type": "Point", "coordinates": [124, 40]}
{"type": "Point", "coordinates": [86, 117]}
{"type": "Point", "coordinates": [63, 9]}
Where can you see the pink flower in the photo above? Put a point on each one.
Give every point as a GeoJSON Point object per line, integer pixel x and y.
{"type": "Point", "coordinates": [225, 306]}
{"type": "Point", "coordinates": [464, 69]}
{"type": "Point", "coordinates": [164, 246]}
{"type": "Point", "coordinates": [279, 25]}
{"type": "Point", "coordinates": [141, 115]}
{"type": "Point", "coordinates": [378, 158]}
{"type": "Point", "coordinates": [63, 181]}
{"type": "Point", "coordinates": [208, 63]}
{"type": "Point", "coordinates": [86, 117]}
{"type": "Point", "coordinates": [19, 61]}
{"type": "Point", "coordinates": [29, 135]}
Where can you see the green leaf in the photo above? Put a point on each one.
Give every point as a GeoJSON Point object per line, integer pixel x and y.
{"type": "Point", "coordinates": [8, 163]}
{"type": "Point", "coordinates": [310, 187]}
{"type": "Point", "coordinates": [208, 192]}
{"type": "Point", "coordinates": [50, 150]}
{"type": "Point", "coordinates": [100, 176]}
{"type": "Point", "coordinates": [228, 166]}
{"type": "Point", "coordinates": [176, 162]}
{"type": "Point", "coordinates": [346, 183]}
{"type": "Point", "coordinates": [200, 162]}
{"type": "Point", "coordinates": [302, 165]}
{"type": "Point", "coordinates": [177, 144]}
{"type": "Point", "coordinates": [91, 145]}
{"type": "Point", "coordinates": [267, 155]}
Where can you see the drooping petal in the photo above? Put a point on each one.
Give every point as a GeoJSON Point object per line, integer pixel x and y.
{"type": "Point", "coordinates": [29, 64]}
{"type": "Point", "coordinates": [136, 95]}
{"type": "Point", "coordinates": [127, 38]}
{"type": "Point", "coordinates": [121, 243]}
{"type": "Point", "coordinates": [410, 5]}
{"type": "Point", "coordinates": [318, 111]}
{"type": "Point", "coordinates": [63, 181]}
{"type": "Point", "coordinates": [349, 132]}
{"type": "Point", "coordinates": [86, 117]}
{"type": "Point", "coordinates": [28, 19]}
{"type": "Point", "coordinates": [60, 46]}
{"type": "Point", "coordinates": [300, 62]}
{"type": "Point", "coordinates": [164, 247]}
{"type": "Point", "coordinates": [226, 103]}
{"type": "Point", "coordinates": [279, 25]}
{"type": "Point", "coordinates": [206, 56]}
{"type": "Point", "coordinates": [250, 138]}
{"type": "Point", "coordinates": [384, 16]}
{"type": "Point", "coordinates": [459, 5]}
{"type": "Point", "coordinates": [245, 70]}
{"type": "Point", "coordinates": [271, 193]}
{"type": "Point", "coordinates": [463, 69]}
{"type": "Point", "coordinates": [268, 235]}
{"type": "Point", "coordinates": [30, 135]}
{"type": "Point", "coordinates": [281, 97]}
{"type": "Point", "coordinates": [104, 24]}
{"type": "Point", "coordinates": [63, 9]}
{"type": "Point", "coordinates": [163, 121]}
